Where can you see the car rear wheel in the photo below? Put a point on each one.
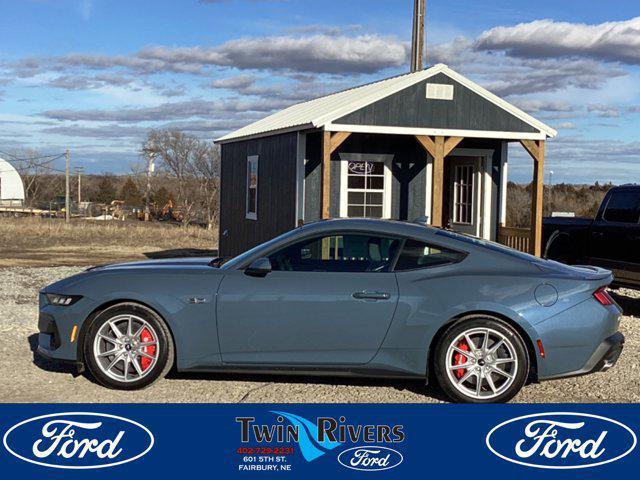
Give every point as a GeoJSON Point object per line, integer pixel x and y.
{"type": "Point", "coordinates": [128, 347]}
{"type": "Point", "coordinates": [481, 360]}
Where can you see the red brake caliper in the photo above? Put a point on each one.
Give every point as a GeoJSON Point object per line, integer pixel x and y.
{"type": "Point", "coordinates": [145, 336]}
{"type": "Point", "coordinates": [460, 359]}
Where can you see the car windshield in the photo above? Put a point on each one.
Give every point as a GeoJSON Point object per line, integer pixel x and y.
{"type": "Point", "coordinates": [242, 258]}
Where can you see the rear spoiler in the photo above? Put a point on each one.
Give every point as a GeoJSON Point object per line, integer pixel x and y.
{"type": "Point", "coordinates": [599, 276]}
{"type": "Point", "coordinates": [595, 273]}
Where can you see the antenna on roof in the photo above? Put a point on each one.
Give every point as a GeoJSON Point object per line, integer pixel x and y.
{"type": "Point", "coordinates": [417, 42]}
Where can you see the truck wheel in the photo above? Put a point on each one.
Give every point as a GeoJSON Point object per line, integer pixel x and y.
{"type": "Point", "coordinates": [559, 249]}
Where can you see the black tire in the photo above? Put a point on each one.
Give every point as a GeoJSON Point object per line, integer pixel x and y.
{"type": "Point", "coordinates": [165, 354]}
{"type": "Point", "coordinates": [520, 371]}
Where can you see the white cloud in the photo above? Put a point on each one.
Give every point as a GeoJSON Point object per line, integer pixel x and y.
{"type": "Point", "coordinates": [610, 41]}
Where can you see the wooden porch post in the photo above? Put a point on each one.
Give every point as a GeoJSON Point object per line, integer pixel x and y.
{"type": "Point", "coordinates": [438, 149]}
{"type": "Point", "coordinates": [437, 199]}
{"type": "Point", "coordinates": [537, 150]}
{"type": "Point", "coordinates": [329, 145]}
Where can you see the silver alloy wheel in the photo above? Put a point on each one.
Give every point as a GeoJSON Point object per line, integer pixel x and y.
{"type": "Point", "coordinates": [481, 363]}
{"type": "Point", "coordinates": [122, 348]}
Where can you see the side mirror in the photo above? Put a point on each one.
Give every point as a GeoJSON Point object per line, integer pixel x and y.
{"type": "Point", "coordinates": [259, 268]}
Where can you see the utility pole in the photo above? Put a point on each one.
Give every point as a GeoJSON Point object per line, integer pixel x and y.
{"type": "Point", "coordinates": [417, 42]}
{"type": "Point", "coordinates": [79, 172]}
{"type": "Point", "coordinates": [67, 198]}
{"type": "Point", "coordinates": [147, 197]}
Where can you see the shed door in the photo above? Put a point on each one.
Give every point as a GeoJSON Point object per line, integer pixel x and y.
{"type": "Point", "coordinates": [463, 182]}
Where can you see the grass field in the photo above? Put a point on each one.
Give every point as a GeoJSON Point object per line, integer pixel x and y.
{"type": "Point", "coordinates": [46, 242]}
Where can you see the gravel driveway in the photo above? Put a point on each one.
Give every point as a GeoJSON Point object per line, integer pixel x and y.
{"type": "Point", "coordinates": [23, 379]}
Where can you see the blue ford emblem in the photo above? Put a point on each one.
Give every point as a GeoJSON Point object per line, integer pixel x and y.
{"type": "Point", "coordinates": [370, 458]}
{"type": "Point", "coordinates": [78, 440]}
{"type": "Point", "coordinates": [561, 440]}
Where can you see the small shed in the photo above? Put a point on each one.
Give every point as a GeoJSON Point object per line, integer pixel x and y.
{"type": "Point", "coordinates": [11, 187]}
{"type": "Point", "coordinates": [430, 144]}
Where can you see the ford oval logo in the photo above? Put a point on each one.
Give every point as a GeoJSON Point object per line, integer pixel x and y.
{"type": "Point", "coordinates": [78, 440]}
{"type": "Point", "coordinates": [561, 440]}
{"type": "Point", "coordinates": [370, 458]}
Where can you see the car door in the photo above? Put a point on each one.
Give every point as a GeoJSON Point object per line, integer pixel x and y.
{"type": "Point", "coordinates": [615, 235]}
{"type": "Point", "coordinates": [328, 300]}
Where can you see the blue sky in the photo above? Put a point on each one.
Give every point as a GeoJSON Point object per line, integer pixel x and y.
{"type": "Point", "coordinates": [95, 75]}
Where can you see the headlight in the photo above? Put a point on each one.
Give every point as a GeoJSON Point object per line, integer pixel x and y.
{"type": "Point", "coordinates": [62, 300]}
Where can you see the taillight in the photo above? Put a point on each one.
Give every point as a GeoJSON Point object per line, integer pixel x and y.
{"type": "Point", "coordinates": [603, 297]}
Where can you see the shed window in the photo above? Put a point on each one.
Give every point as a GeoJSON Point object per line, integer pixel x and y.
{"type": "Point", "coordinates": [365, 189]}
{"type": "Point", "coordinates": [252, 187]}
{"type": "Point", "coordinates": [463, 195]}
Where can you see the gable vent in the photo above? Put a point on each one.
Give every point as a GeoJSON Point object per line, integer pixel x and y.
{"type": "Point", "coordinates": [439, 91]}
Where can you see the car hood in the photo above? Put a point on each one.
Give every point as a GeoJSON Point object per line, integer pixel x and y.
{"type": "Point", "coordinates": [166, 265]}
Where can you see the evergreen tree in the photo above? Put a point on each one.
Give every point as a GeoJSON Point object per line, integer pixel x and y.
{"type": "Point", "coordinates": [130, 194]}
{"type": "Point", "coordinates": [161, 197]}
{"type": "Point", "coordinates": [106, 191]}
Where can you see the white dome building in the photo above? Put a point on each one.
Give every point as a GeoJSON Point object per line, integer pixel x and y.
{"type": "Point", "coordinates": [11, 187]}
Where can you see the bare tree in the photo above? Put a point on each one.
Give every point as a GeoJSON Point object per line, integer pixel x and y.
{"type": "Point", "coordinates": [178, 153]}
{"type": "Point", "coordinates": [207, 169]}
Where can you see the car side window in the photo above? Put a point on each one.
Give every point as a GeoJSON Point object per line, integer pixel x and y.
{"type": "Point", "coordinates": [622, 207]}
{"type": "Point", "coordinates": [416, 255]}
{"type": "Point", "coordinates": [338, 253]}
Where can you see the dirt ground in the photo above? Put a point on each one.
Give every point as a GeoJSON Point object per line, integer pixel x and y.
{"type": "Point", "coordinates": [25, 377]}
{"type": "Point", "coordinates": [52, 242]}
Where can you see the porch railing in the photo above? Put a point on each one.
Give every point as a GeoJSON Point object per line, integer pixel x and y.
{"type": "Point", "coordinates": [518, 238]}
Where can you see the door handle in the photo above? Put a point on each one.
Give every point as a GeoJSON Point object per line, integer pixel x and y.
{"type": "Point", "coordinates": [597, 234]}
{"type": "Point", "coordinates": [364, 295]}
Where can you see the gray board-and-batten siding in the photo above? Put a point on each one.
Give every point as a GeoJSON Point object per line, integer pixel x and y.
{"type": "Point", "coordinates": [410, 108]}
{"type": "Point", "coordinates": [276, 191]}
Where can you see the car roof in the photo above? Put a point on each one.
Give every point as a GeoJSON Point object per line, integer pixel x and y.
{"type": "Point", "coordinates": [390, 227]}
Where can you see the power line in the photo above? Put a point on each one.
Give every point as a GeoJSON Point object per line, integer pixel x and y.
{"type": "Point", "coordinates": [30, 159]}
{"type": "Point", "coordinates": [50, 169]}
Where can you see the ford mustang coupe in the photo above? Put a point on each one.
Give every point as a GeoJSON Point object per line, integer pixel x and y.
{"type": "Point", "coordinates": [341, 297]}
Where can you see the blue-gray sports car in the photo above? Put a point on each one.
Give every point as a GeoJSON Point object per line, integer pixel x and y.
{"type": "Point", "coordinates": [341, 297]}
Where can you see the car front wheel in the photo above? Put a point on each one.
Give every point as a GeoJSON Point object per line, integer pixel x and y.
{"type": "Point", "coordinates": [128, 347]}
{"type": "Point", "coordinates": [481, 360]}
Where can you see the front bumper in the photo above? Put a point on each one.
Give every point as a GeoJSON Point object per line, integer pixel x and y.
{"type": "Point", "coordinates": [56, 337]}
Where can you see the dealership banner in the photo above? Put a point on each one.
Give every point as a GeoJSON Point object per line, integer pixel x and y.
{"type": "Point", "coordinates": [314, 441]}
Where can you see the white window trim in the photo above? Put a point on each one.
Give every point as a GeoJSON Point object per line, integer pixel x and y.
{"type": "Point", "coordinates": [504, 180]}
{"type": "Point", "coordinates": [252, 215]}
{"type": "Point", "coordinates": [344, 186]}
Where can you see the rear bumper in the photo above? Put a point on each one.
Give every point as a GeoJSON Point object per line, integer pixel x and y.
{"type": "Point", "coordinates": [576, 339]}
{"type": "Point", "coordinates": [604, 358]}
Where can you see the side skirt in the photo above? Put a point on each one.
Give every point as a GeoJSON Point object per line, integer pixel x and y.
{"type": "Point", "coordinates": [329, 371]}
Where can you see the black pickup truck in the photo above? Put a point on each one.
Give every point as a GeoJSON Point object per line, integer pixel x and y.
{"type": "Point", "coordinates": [611, 240]}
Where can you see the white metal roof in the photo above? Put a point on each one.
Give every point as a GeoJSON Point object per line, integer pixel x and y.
{"type": "Point", "coordinates": [11, 187]}
{"type": "Point", "coordinates": [322, 111]}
